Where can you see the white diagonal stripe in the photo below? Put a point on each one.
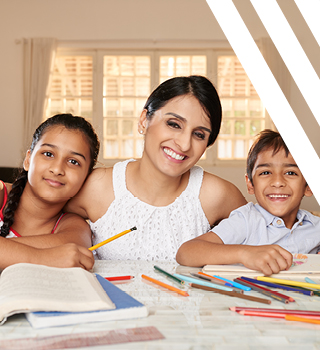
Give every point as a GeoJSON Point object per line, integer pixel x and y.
{"type": "Point", "coordinates": [291, 52]}
{"type": "Point", "coordinates": [310, 10]}
{"type": "Point", "coordinates": [269, 91]}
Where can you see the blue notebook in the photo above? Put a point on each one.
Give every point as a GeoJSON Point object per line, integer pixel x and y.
{"type": "Point", "coordinates": [126, 308]}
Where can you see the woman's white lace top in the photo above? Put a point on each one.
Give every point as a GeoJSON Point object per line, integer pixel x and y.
{"type": "Point", "coordinates": [160, 230]}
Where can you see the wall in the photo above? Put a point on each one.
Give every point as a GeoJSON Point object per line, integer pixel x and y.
{"type": "Point", "coordinates": [122, 20]}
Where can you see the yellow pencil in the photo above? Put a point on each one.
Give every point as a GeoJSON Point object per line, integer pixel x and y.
{"type": "Point", "coordinates": [288, 282]}
{"type": "Point", "coordinates": [111, 238]}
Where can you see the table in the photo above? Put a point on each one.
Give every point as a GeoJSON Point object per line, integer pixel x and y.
{"type": "Point", "coordinates": [199, 322]}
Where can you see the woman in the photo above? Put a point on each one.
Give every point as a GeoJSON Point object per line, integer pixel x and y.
{"type": "Point", "coordinates": [163, 194]}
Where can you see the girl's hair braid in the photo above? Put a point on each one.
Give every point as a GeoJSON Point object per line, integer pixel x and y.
{"type": "Point", "coordinates": [13, 202]}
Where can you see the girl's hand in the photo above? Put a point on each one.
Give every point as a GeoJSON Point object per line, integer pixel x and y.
{"type": "Point", "coordinates": [66, 255]}
{"type": "Point", "coordinates": [268, 259]}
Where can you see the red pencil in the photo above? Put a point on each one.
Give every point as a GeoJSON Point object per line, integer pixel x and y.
{"type": "Point", "coordinates": [276, 314]}
{"type": "Point", "coordinates": [119, 278]}
{"type": "Point", "coordinates": [275, 311]}
{"type": "Point", "coordinates": [258, 287]}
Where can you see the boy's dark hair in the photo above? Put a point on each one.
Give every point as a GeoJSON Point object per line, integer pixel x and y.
{"type": "Point", "coordinates": [69, 122]}
{"type": "Point", "coordinates": [265, 140]}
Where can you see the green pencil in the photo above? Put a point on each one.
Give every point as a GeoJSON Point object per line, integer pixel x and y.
{"type": "Point", "coordinates": [176, 279]}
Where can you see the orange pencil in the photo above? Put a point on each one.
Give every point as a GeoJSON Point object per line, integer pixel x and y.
{"type": "Point", "coordinates": [174, 289]}
{"type": "Point", "coordinates": [301, 319]}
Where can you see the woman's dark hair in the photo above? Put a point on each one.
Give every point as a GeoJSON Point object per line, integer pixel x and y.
{"type": "Point", "coordinates": [69, 122]}
{"type": "Point", "coordinates": [266, 139]}
{"type": "Point", "coordinates": [199, 87]}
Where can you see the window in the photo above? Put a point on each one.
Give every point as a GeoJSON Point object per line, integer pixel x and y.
{"type": "Point", "coordinates": [71, 87]}
{"type": "Point", "coordinates": [243, 112]}
{"type": "Point", "coordinates": [110, 88]}
{"type": "Point", "coordinates": [126, 86]}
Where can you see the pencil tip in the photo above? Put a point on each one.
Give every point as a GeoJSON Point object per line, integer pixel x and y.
{"type": "Point", "coordinates": [133, 228]}
{"type": "Point", "coordinates": [233, 308]}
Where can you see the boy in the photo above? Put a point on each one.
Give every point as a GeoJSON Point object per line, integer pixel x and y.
{"type": "Point", "coordinates": [262, 236]}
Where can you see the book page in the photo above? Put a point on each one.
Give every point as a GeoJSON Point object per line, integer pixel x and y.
{"type": "Point", "coordinates": [48, 288]}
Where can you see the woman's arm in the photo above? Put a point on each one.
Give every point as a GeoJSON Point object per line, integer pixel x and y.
{"type": "Point", "coordinates": [95, 196]}
{"type": "Point", "coordinates": [71, 229]}
{"type": "Point", "coordinates": [67, 255]}
{"type": "Point", "coordinates": [209, 249]}
{"type": "Point", "coordinates": [219, 198]}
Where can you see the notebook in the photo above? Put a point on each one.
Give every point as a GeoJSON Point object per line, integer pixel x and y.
{"type": "Point", "coordinates": [126, 308]}
{"type": "Point", "coordinates": [302, 264]}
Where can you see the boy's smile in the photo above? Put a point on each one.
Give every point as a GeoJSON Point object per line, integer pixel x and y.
{"type": "Point", "coordinates": [278, 185]}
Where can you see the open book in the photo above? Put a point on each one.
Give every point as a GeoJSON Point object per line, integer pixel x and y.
{"type": "Point", "coordinates": [302, 264]}
{"type": "Point", "coordinates": [126, 308]}
{"type": "Point", "coordinates": [28, 287]}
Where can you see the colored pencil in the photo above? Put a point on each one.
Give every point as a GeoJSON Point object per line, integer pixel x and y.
{"type": "Point", "coordinates": [272, 292]}
{"type": "Point", "coordinates": [169, 275]}
{"type": "Point", "coordinates": [235, 284]}
{"type": "Point", "coordinates": [232, 294]}
{"type": "Point", "coordinates": [288, 282]}
{"type": "Point", "coordinates": [309, 280]}
{"type": "Point", "coordinates": [119, 278]}
{"type": "Point", "coordinates": [301, 319]}
{"type": "Point", "coordinates": [282, 311]}
{"type": "Point", "coordinates": [214, 279]}
{"type": "Point", "coordinates": [203, 283]}
{"type": "Point", "coordinates": [314, 292]}
{"type": "Point", "coordinates": [279, 286]}
{"type": "Point", "coordinates": [164, 285]}
{"type": "Point", "coordinates": [111, 238]}
{"type": "Point", "coordinates": [274, 314]}
{"type": "Point", "coordinates": [266, 293]}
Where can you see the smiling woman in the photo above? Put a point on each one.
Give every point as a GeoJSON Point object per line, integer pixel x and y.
{"type": "Point", "coordinates": [63, 152]}
{"type": "Point", "coordinates": [163, 194]}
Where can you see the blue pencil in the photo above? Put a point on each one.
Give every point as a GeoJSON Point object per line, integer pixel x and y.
{"type": "Point", "coordinates": [280, 286]}
{"type": "Point", "coordinates": [235, 284]}
{"type": "Point", "coordinates": [309, 280]}
{"type": "Point", "coordinates": [202, 283]}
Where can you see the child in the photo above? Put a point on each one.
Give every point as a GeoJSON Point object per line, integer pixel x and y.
{"type": "Point", "coordinates": [262, 236]}
{"type": "Point", "coordinates": [163, 193]}
{"type": "Point", "coordinates": [63, 153]}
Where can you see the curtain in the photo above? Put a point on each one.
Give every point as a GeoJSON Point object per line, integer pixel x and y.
{"type": "Point", "coordinates": [276, 65]}
{"type": "Point", "coordinates": [38, 60]}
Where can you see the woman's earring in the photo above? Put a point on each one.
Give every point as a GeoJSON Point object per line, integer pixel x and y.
{"type": "Point", "coordinates": [141, 132]}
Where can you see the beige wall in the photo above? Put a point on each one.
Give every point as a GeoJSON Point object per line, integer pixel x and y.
{"type": "Point", "coordinates": [74, 20]}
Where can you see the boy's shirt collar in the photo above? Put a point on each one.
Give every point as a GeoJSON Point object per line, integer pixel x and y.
{"type": "Point", "coordinates": [273, 220]}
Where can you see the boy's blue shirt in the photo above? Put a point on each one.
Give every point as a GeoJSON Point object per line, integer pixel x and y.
{"type": "Point", "coordinates": [253, 225]}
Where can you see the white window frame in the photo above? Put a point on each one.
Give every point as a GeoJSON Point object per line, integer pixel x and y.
{"type": "Point", "coordinates": [212, 49]}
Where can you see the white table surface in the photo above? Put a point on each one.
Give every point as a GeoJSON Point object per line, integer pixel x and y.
{"type": "Point", "coordinates": [201, 321]}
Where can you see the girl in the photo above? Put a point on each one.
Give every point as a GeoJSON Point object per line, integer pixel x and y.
{"type": "Point", "coordinates": [63, 152]}
{"type": "Point", "coordinates": [163, 194]}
